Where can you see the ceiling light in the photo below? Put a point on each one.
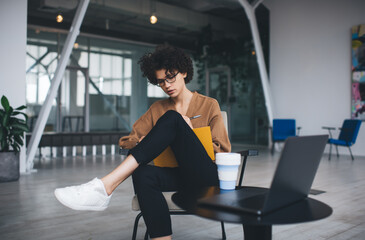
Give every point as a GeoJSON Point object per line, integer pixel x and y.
{"type": "Point", "coordinates": [59, 18]}
{"type": "Point", "coordinates": [153, 19]}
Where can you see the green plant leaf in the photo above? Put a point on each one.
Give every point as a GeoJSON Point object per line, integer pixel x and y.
{"type": "Point", "coordinates": [12, 127]}
{"type": "Point", "coordinates": [21, 107]}
{"type": "Point", "coordinates": [18, 140]}
{"type": "Point", "coordinates": [23, 127]}
{"type": "Point", "coordinates": [4, 146]}
{"type": "Point", "coordinates": [5, 120]}
{"type": "Point", "coordinates": [5, 103]}
{"type": "Point", "coordinates": [18, 132]}
{"type": "Point", "coordinates": [15, 147]}
{"type": "Point", "coordinates": [17, 113]}
{"type": "Point", "coordinates": [14, 120]}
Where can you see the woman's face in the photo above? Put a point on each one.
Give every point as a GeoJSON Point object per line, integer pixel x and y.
{"type": "Point", "coordinates": [172, 83]}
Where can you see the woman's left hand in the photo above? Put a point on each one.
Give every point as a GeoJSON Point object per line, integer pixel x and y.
{"type": "Point", "coordinates": [187, 120]}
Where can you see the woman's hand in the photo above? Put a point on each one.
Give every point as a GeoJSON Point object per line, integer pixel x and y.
{"type": "Point", "coordinates": [187, 120]}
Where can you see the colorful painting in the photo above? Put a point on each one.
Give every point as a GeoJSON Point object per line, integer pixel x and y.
{"type": "Point", "coordinates": [358, 72]}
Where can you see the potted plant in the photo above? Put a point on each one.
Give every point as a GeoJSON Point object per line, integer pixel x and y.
{"type": "Point", "coordinates": [12, 129]}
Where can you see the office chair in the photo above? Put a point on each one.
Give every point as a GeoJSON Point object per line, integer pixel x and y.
{"type": "Point", "coordinates": [348, 134]}
{"type": "Point", "coordinates": [282, 129]}
{"type": "Point", "coordinates": [174, 209]}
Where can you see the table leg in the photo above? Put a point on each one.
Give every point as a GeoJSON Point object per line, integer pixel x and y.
{"type": "Point", "coordinates": [257, 232]}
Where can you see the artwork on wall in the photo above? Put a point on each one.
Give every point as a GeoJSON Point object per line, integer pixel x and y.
{"type": "Point", "coordinates": [358, 72]}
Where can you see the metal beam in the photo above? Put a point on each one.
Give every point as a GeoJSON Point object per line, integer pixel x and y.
{"type": "Point", "coordinates": [52, 92]}
{"type": "Point", "coordinates": [250, 12]}
{"type": "Point", "coordinates": [38, 61]}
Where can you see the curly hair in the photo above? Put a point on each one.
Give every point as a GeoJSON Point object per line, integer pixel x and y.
{"type": "Point", "coordinates": [166, 57]}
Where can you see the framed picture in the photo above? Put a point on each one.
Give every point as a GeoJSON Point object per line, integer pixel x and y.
{"type": "Point", "coordinates": [358, 73]}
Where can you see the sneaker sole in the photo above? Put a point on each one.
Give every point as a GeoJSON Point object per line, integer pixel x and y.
{"type": "Point", "coordinates": [78, 208]}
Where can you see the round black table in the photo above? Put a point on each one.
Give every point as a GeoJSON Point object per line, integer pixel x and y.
{"type": "Point", "coordinates": [255, 227]}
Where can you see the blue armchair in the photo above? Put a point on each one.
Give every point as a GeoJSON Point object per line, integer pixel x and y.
{"type": "Point", "coordinates": [348, 134]}
{"type": "Point", "coordinates": [282, 129]}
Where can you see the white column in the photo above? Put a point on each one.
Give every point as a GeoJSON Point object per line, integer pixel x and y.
{"type": "Point", "coordinates": [74, 151]}
{"type": "Point", "coordinates": [64, 151]}
{"type": "Point", "coordinates": [103, 149]}
{"type": "Point", "coordinates": [13, 43]}
{"type": "Point", "coordinates": [94, 150]}
{"type": "Point", "coordinates": [84, 151]}
{"type": "Point", "coordinates": [112, 149]}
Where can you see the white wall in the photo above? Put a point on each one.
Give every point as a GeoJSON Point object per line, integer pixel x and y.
{"type": "Point", "coordinates": [13, 33]}
{"type": "Point", "coordinates": [310, 62]}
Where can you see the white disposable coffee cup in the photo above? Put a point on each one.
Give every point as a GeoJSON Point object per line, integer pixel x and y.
{"type": "Point", "coordinates": [228, 164]}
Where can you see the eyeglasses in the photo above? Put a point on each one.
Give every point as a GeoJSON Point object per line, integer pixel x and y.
{"type": "Point", "coordinates": [169, 79]}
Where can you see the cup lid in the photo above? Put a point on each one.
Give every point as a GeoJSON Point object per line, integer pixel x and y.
{"type": "Point", "coordinates": [228, 158]}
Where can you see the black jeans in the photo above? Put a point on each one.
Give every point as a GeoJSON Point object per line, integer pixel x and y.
{"type": "Point", "coordinates": [196, 169]}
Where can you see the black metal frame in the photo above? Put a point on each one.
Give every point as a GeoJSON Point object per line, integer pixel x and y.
{"type": "Point", "coordinates": [136, 221]}
{"type": "Point", "coordinates": [244, 154]}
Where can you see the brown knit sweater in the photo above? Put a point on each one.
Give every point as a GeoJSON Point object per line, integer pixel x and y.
{"type": "Point", "coordinates": [207, 107]}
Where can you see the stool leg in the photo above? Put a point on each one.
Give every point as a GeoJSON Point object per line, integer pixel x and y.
{"type": "Point", "coordinates": [329, 156]}
{"type": "Point", "coordinates": [257, 232]}
{"type": "Point", "coordinates": [135, 228]}
{"type": "Point", "coordinates": [352, 157]}
{"type": "Point", "coordinates": [223, 231]}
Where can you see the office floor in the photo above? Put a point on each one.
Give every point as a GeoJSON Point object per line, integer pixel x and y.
{"type": "Point", "coordinates": [29, 210]}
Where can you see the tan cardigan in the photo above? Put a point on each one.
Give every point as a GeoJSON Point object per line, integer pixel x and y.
{"type": "Point", "coordinates": [207, 107]}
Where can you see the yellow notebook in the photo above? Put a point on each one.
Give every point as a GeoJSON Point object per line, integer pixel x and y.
{"type": "Point", "coordinates": [167, 157]}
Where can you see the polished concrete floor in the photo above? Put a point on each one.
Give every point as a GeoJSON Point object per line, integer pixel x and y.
{"type": "Point", "coordinates": [29, 210]}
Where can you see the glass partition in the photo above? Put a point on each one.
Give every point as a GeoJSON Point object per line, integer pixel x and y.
{"type": "Point", "coordinates": [109, 67]}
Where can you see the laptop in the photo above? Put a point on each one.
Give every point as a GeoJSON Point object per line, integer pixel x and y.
{"type": "Point", "coordinates": [291, 183]}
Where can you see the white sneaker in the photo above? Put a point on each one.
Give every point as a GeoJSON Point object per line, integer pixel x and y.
{"type": "Point", "coordinates": [90, 196]}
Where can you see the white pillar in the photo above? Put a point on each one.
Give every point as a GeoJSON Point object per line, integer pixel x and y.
{"type": "Point", "coordinates": [84, 151]}
{"type": "Point", "coordinates": [74, 151]}
{"type": "Point", "coordinates": [64, 151]}
{"type": "Point", "coordinates": [112, 149]}
{"type": "Point", "coordinates": [13, 43]}
{"type": "Point", "coordinates": [94, 150]}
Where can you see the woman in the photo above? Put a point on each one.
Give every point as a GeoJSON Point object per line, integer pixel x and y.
{"type": "Point", "coordinates": [168, 122]}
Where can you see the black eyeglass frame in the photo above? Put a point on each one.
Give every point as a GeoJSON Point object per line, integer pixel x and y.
{"type": "Point", "coordinates": [169, 79]}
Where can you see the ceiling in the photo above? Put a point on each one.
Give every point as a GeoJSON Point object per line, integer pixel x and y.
{"type": "Point", "coordinates": [179, 22]}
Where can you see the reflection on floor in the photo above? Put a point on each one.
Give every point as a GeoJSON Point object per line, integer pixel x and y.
{"type": "Point", "coordinates": [28, 209]}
